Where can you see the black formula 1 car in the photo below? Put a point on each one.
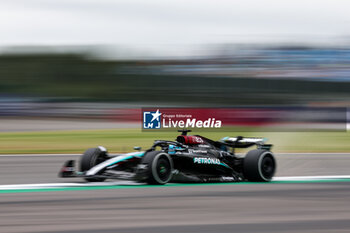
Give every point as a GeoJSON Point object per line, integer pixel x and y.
{"type": "Point", "coordinates": [188, 159]}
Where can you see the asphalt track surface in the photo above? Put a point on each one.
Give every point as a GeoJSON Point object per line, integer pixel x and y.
{"type": "Point", "coordinates": [267, 207]}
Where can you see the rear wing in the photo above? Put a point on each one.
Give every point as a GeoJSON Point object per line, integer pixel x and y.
{"type": "Point", "coordinates": [244, 142]}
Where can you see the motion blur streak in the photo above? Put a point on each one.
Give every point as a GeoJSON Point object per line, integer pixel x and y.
{"type": "Point", "coordinates": [80, 72]}
{"type": "Point", "coordinates": [74, 85]}
{"type": "Point", "coordinates": [262, 208]}
{"type": "Point", "coordinates": [304, 75]}
{"type": "Point", "coordinates": [311, 207]}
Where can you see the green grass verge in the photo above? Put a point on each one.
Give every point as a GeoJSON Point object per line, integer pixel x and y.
{"type": "Point", "coordinates": [123, 140]}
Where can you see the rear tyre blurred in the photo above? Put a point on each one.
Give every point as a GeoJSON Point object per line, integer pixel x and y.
{"type": "Point", "coordinates": [259, 165]}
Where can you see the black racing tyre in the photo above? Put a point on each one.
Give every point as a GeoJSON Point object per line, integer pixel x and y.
{"type": "Point", "coordinates": [158, 168]}
{"type": "Point", "coordinates": [89, 159]}
{"type": "Point", "coordinates": [259, 165]}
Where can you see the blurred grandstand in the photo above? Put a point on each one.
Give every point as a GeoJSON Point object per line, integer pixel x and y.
{"type": "Point", "coordinates": [80, 85]}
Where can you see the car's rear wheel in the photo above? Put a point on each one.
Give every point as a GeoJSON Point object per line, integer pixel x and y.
{"type": "Point", "coordinates": [259, 165]}
{"type": "Point", "coordinates": [156, 167]}
{"type": "Point", "coordinates": [91, 158]}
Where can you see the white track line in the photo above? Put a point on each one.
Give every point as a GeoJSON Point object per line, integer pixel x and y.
{"type": "Point", "coordinates": [297, 178]}
{"type": "Point", "coordinates": [113, 183]}
{"type": "Point", "coordinates": [64, 185]}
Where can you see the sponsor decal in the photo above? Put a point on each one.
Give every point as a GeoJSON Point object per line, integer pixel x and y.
{"type": "Point", "coordinates": [201, 160]}
{"type": "Point", "coordinates": [192, 151]}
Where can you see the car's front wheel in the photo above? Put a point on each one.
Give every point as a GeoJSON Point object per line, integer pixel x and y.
{"type": "Point", "coordinates": [156, 167]}
{"type": "Point", "coordinates": [91, 158]}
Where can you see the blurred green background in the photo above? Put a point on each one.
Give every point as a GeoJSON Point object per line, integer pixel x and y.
{"type": "Point", "coordinates": [275, 76]}
{"type": "Point", "coordinates": [47, 87]}
{"type": "Point", "coordinates": [123, 140]}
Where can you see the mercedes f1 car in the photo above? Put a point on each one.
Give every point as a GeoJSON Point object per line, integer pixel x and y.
{"type": "Point", "coordinates": [188, 159]}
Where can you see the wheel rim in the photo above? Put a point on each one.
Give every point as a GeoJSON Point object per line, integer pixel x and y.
{"type": "Point", "coordinates": [267, 167]}
{"type": "Point", "coordinates": [163, 169]}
